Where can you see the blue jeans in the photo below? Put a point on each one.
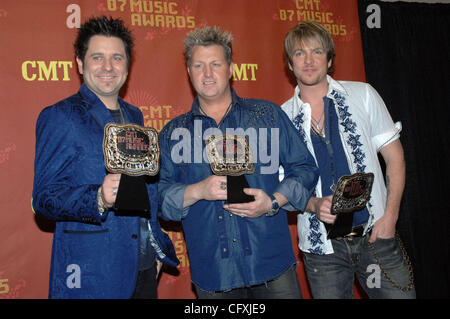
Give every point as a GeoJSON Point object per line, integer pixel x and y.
{"type": "Point", "coordinates": [286, 286]}
{"type": "Point", "coordinates": [331, 276]}
{"type": "Point", "coordinates": [146, 284]}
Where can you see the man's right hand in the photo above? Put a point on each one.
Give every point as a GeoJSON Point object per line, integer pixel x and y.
{"type": "Point", "coordinates": [110, 187]}
{"type": "Point", "coordinates": [321, 206]}
{"type": "Point", "coordinates": [211, 188]}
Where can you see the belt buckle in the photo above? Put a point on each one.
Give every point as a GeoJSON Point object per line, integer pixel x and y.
{"type": "Point", "coordinates": [357, 231]}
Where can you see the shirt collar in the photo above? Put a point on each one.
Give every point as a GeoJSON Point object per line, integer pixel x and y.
{"type": "Point", "coordinates": [234, 100]}
{"type": "Point", "coordinates": [92, 99]}
{"type": "Point", "coordinates": [333, 85]}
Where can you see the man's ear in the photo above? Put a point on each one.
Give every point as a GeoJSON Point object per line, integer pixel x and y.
{"type": "Point", "coordinates": [290, 66]}
{"type": "Point", "coordinates": [80, 65]}
{"type": "Point", "coordinates": [231, 70]}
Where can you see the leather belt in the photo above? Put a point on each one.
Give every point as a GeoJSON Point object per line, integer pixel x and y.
{"type": "Point", "coordinates": [357, 231]}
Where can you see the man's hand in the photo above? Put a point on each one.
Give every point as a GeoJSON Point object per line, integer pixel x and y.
{"type": "Point", "coordinates": [321, 206]}
{"type": "Point", "coordinates": [211, 188]}
{"type": "Point", "coordinates": [110, 186]}
{"type": "Point", "coordinates": [261, 205]}
{"type": "Point", "coordinates": [383, 228]}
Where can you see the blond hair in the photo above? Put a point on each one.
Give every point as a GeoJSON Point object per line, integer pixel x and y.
{"type": "Point", "coordinates": [305, 32]}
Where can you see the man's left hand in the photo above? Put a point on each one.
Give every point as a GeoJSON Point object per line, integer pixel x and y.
{"type": "Point", "coordinates": [261, 205]}
{"type": "Point", "coordinates": [383, 228]}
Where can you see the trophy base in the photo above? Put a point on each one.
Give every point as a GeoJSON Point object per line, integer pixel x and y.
{"type": "Point", "coordinates": [235, 190]}
{"type": "Point", "coordinates": [341, 227]}
{"type": "Point", "coordinates": [132, 197]}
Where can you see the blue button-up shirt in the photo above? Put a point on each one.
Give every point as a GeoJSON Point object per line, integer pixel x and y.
{"type": "Point", "coordinates": [227, 251]}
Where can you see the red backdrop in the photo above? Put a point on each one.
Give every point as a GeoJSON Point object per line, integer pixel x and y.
{"type": "Point", "coordinates": [37, 68]}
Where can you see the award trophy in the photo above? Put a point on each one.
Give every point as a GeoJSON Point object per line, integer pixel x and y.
{"type": "Point", "coordinates": [351, 194]}
{"type": "Point", "coordinates": [231, 155]}
{"type": "Point", "coordinates": [132, 151]}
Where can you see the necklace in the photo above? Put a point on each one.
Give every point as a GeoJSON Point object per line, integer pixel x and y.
{"type": "Point", "coordinates": [226, 112]}
{"type": "Point", "coordinates": [317, 129]}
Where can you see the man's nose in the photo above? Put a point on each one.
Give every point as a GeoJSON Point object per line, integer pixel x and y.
{"type": "Point", "coordinates": [308, 58]}
{"type": "Point", "coordinates": [207, 71]}
{"type": "Point", "coordinates": [107, 64]}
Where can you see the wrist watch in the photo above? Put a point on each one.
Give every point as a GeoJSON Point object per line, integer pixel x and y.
{"type": "Point", "coordinates": [275, 207]}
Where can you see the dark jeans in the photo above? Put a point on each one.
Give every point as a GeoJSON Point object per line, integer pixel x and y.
{"type": "Point", "coordinates": [286, 286]}
{"type": "Point", "coordinates": [146, 284]}
{"type": "Point", "coordinates": [331, 276]}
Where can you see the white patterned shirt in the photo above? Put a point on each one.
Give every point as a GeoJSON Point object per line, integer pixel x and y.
{"type": "Point", "coordinates": [365, 126]}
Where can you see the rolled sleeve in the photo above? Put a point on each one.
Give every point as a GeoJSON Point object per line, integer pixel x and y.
{"type": "Point", "coordinates": [383, 128]}
{"type": "Point", "coordinates": [172, 202]}
{"type": "Point", "coordinates": [296, 194]}
{"type": "Point", "coordinates": [388, 137]}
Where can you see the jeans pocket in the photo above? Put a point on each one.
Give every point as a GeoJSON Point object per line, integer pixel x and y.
{"type": "Point", "coordinates": [385, 248]}
{"type": "Point", "coordinates": [393, 261]}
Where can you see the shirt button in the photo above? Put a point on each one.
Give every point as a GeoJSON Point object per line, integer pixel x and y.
{"type": "Point", "coordinates": [134, 236]}
{"type": "Point", "coordinates": [220, 217]}
{"type": "Point", "coordinates": [234, 240]}
{"type": "Point", "coordinates": [224, 250]}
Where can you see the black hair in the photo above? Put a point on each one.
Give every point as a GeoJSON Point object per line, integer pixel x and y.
{"type": "Point", "coordinates": [106, 27]}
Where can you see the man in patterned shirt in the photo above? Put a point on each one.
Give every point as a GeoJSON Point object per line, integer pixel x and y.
{"type": "Point", "coordinates": [345, 124]}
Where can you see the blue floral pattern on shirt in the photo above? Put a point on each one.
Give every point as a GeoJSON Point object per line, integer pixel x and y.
{"type": "Point", "coordinates": [298, 123]}
{"type": "Point", "coordinates": [350, 128]}
{"type": "Point", "coordinates": [315, 235]}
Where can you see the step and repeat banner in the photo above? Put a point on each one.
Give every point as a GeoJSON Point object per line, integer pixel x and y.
{"type": "Point", "coordinates": [38, 68]}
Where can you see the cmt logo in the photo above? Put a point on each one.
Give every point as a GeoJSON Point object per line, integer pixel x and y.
{"type": "Point", "coordinates": [244, 71]}
{"type": "Point", "coordinates": [46, 71]}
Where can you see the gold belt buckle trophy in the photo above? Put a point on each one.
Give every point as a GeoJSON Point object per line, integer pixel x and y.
{"type": "Point", "coordinates": [231, 156]}
{"type": "Point", "coordinates": [132, 151]}
{"type": "Point", "coordinates": [351, 194]}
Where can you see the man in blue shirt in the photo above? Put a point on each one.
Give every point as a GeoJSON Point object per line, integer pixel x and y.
{"type": "Point", "coordinates": [98, 252]}
{"type": "Point", "coordinates": [236, 250]}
